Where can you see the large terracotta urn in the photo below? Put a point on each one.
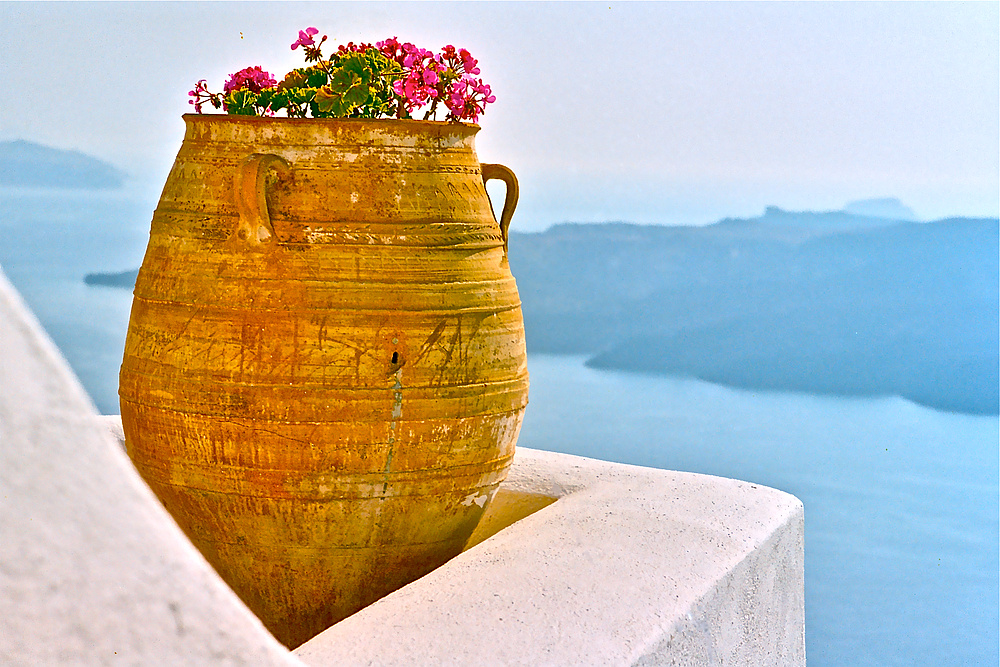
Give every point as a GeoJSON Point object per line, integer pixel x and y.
{"type": "Point", "coordinates": [325, 372]}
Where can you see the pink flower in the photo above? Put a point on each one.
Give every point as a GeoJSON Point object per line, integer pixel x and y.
{"type": "Point", "coordinates": [468, 62]}
{"type": "Point", "coordinates": [414, 55]}
{"type": "Point", "coordinates": [468, 98]}
{"type": "Point", "coordinates": [422, 71]}
{"type": "Point", "coordinates": [305, 38]}
{"type": "Point", "coordinates": [351, 47]}
{"type": "Point", "coordinates": [200, 95]}
{"type": "Point", "coordinates": [460, 60]}
{"type": "Point", "coordinates": [254, 79]}
{"type": "Point", "coordinates": [392, 49]}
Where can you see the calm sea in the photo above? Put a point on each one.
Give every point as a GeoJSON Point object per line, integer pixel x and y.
{"type": "Point", "coordinates": [902, 509]}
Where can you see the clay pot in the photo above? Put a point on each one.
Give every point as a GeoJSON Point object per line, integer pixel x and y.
{"type": "Point", "coordinates": [325, 372]}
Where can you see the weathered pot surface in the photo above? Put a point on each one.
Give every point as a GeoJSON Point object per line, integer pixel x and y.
{"type": "Point", "coordinates": [325, 372]}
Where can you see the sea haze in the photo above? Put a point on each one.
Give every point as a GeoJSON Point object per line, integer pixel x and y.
{"type": "Point", "coordinates": [51, 240]}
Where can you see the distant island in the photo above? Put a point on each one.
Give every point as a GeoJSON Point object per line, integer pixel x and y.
{"type": "Point", "coordinates": [27, 164]}
{"type": "Point", "coordinates": [125, 279]}
{"type": "Point", "coordinates": [820, 302]}
{"type": "Point", "coordinates": [829, 303]}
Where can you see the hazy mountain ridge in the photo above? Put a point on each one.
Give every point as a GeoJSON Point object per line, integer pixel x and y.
{"type": "Point", "coordinates": [786, 301]}
{"type": "Point", "coordinates": [27, 164]}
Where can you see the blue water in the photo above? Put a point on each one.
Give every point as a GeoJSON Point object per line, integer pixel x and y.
{"type": "Point", "coordinates": [902, 508]}
{"type": "Point", "coordinates": [901, 501]}
{"type": "Point", "coordinates": [49, 240]}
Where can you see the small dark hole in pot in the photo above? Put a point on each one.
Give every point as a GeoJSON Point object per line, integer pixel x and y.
{"type": "Point", "coordinates": [395, 357]}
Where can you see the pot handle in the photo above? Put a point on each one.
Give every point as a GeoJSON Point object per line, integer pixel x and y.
{"type": "Point", "coordinates": [502, 173]}
{"type": "Point", "coordinates": [250, 189]}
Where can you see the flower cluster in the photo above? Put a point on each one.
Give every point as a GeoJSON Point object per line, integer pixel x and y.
{"type": "Point", "coordinates": [468, 98]}
{"type": "Point", "coordinates": [423, 73]}
{"type": "Point", "coordinates": [252, 78]}
{"type": "Point", "coordinates": [387, 79]}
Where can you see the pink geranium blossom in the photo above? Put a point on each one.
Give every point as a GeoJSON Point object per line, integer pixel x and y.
{"type": "Point", "coordinates": [254, 79]}
{"type": "Point", "coordinates": [305, 38]}
{"type": "Point", "coordinates": [200, 94]}
{"type": "Point", "coordinates": [422, 73]}
{"type": "Point", "coordinates": [351, 47]}
{"type": "Point", "coordinates": [392, 49]}
{"type": "Point", "coordinates": [460, 60]}
{"type": "Point", "coordinates": [468, 98]}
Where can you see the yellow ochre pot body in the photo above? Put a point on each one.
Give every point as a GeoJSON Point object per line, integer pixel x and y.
{"type": "Point", "coordinates": [325, 372]}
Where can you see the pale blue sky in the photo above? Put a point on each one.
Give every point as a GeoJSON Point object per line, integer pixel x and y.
{"type": "Point", "coordinates": [649, 112]}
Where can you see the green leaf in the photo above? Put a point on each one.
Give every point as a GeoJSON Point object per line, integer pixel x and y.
{"type": "Point", "coordinates": [348, 89]}
{"type": "Point", "coordinates": [263, 100]}
{"type": "Point", "coordinates": [294, 79]}
{"type": "Point", "coordinates": [332, 102]}
{"type": "Point", "coordinates": [241, 102]}
{"type": "Point", "coordinates": [349, 85]}
{"type": "Point", "coordinates": [316, 77]}
{"type": "Point", "coordinates": [278, 100]}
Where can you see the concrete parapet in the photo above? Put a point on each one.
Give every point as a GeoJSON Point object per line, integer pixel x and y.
{"type": "Point", "coordinates": [92, 568]}
{"type": "Point", "coordinates": [577, 561]}
{"type": "Point", "coordinates": [628, 566]}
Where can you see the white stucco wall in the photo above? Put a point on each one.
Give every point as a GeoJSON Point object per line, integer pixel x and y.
{"type": "Point", "coordinates": [92, 569]}
{"type": "Point", "coordinates": [628, 565]}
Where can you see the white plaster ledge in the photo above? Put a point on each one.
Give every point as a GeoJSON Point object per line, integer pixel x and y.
{"type": "Point", "coordinates": [93, 571]}
{"type": "Point", "coordinates": [630, 566]}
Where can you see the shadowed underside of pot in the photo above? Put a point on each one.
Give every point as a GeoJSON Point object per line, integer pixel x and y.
{"type": "Point", "coordinates": [324, 375]}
